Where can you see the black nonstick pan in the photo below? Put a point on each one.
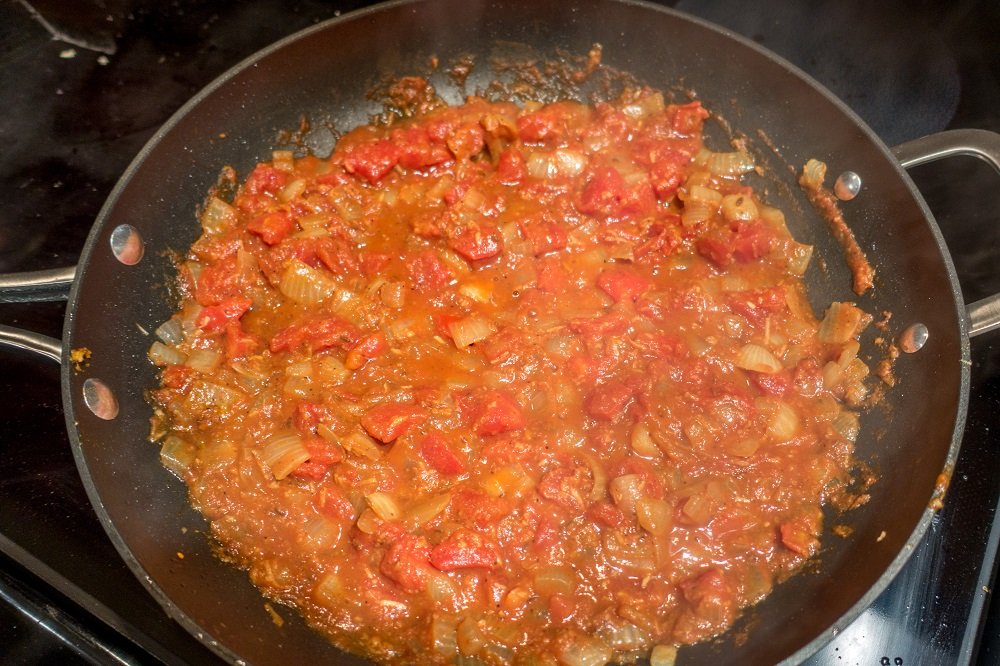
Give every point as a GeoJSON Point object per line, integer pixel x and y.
{"type": "Point", "coordinates": [324, 74]}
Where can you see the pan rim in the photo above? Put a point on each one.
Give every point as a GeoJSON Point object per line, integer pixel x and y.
{"type": "Point", "coordinates": [70, 379]}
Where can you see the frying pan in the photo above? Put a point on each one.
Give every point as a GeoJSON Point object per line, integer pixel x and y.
{"type": "Point", "coordinates": [324, 73]}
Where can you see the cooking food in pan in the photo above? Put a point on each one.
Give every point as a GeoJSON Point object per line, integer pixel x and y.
{"type": "Point", "coordinates": [509, 384]}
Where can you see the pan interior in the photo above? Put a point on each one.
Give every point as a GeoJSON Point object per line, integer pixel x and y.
{"type": "Point", "coordinates": [324, 74]}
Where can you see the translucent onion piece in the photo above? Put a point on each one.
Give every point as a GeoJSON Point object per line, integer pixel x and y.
{"type": "Point", "coordinates": [162, 355]}
{"type": "Point", "coordinates": [510, 480]}
{"type": "Point", "coordinates": [625, 490]}
{"type": "Point", "coordinates": [584, 651]}
{"type": "Point", "coordinates": [283, 453]}
{"type": "Point", "coordinates": [729, 164]}
{"type": "Point", "coordinates": [656, 516]}
{"type": "Point", "coordinates": [177, 455]}
{"type": "Point", "coordinates": [393, 294]}
{"type": "Point", "coordinates": [813, 174]}
{"type": "Point", "coordinates": [469, 330]}
{"type": "Point", "coordinates": [426, 510]}
{"type": "Point", "coordinates": [738, 208]}
{"type": "Point", "coordinates": [847, 424]}
{"type": "Point", "coordinates": [444, 635]}
{"type": "Point", "coordinates": [663, 655]}
{"type": "Point", "coordinates": [480, 291]}
{"type": "Point", "coordinates": [560, 163]}
{"type": "Point", "coordinates": [798, 256]}
{"type": "Point", "coordinates": [283, 160]}
{"type": "Point", "coordinates": [329, 591]}
{"type": "Point", "coordinates": [331, 370]}
{"type": "Point", "coordinates": [470, 638]}
{"type": "Point", "coordinates": [839, 323]}
{"type": "Point", "coordinates": [361, 445]}
{"type": "Point", "coordinates": [758, 359]}
{"type": "Point", "coordinates": [784, 423]}
{"type": "Point", "coordinates": [171, 331]}
{"type": "Point", "coordinates": [204, 361]}
{"type": "Point", "coordinates": [555, 580]}
{"type": "Point", "coordinates": [624, 636]}
{"type": "Point", "coordinates": [642, 443]}
{"type": "Point", "coordinates": [647, 106]}
{"type": "Point", "coordinates": [218, 216]}
{"type": "Point", "coordinates": [306, 285]}
{"type": "Point", "coordinates": [696, 211]}
{"type": "Point", "coordinates": [384, 505]}
{"type": "Point", "coordinates": [218, 453]}
{"type": "Point", "coordinates": [292, 190]}
{"type": "Point", "coordinates": [321, 532]}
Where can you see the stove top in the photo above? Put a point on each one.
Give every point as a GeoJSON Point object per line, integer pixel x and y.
{"type": "Point", "coordinates": [86, 83]}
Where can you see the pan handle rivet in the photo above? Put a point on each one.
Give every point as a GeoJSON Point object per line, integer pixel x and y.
{"type": "Point", "coordinates": [847, 186]}
{"type": "Point", "coordinates": [99, 399]}
{"type": "Point", "coordinates": [913, 338]}
{"type": "Point", "coordinates": [127, 245]}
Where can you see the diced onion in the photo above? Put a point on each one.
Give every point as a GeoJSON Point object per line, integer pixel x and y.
{"type": "Point", "coordinates": [361, 445]}
{"type": "Point", "coordinates": [329, 591]}
{"type": "Point", "coordinates": [470, 638]}
{"type": "Point", "coordinates": [813, 174]}
{"type": "Point", "coordinates": [758, 359]}
{"type": "Point", "coordinates": [738, 208]}
{"type": "Point", "coordinates": [161, 355]}
{"type": "Point", "coordinates": [585, 651]}
{"type": "Point", "coordinates": [624, 636]}
{"type": "Point", "coordinates": [177, 455]}
{"type": "Point", "coordinates": [743, 448]}
{"type": "Point", "coordinates": [393, 294]}
{"type": "Point", "coordinates": [839, 323]}
{"type": "Point", "coordinates": [217, 453]}
{"type": "Point", "coordinates": [444, 636]}
{"type": "Point", "coordinates": [384, 506]}
{"type": "Point", "coordinates": [847, 424]}
{"type": "Point", "coordinates": [283, 453]}
{"type": "Point", "coordinates": [292, 190]}
{"type": "Point", "coordinates": [729, 164]}
{"type": "Point", "coordinates": [321, 532]}
{"type": "Point", "coordinates": [784, 423]}
{"type": "Point", "coordinates": [555, 580]}
{"type": "Point", "coordinates": [797, 256]}
{"type": "Point", "coordinates": [330, 369]}
{"type": "Point", "coordinates": [469, 330]}
{"type": "Point", "coordinates": [218, 216]}
{"type": "Point", "coordinates": [647, 106]}
{"type": "Point", "coordinates": [426, 510]}
{"type": "Point", "coordinates": [306, 285]}
{"type": "Point", "coordinates": [560, 163]}
{"type": "Point", "coordinates": [696, 211]}
{"type": "Point", "coordinates": [171, 331]}
{"type": "Point", "coordinates": [663, 655]}
{"type": "Point", "coordinates": [480, 291]}
{"type": "Point", "coordinates": [625, 490]}
{"type": "Point", "coordinates": [510, 480]}
{"type": "Point", "coordinates": [656, 516]}
{"type": "Point", "coordinates": [204, 361]}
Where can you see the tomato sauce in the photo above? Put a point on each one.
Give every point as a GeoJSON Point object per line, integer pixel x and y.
{"type": "Point", "coordinates": [509, 384]}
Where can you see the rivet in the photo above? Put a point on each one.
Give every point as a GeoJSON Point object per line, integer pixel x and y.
{"type": "Point", "coordinates": [913, 338]}
{"type": "Point", "coordinates": [127, 245]}
{"type": "Point", "coordinates": [100, 399]}
{"type": "Point", "coordinates": [847, 186]}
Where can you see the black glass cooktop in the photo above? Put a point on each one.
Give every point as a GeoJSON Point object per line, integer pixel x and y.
{"type": "Point", "coordinates": [86, 83]}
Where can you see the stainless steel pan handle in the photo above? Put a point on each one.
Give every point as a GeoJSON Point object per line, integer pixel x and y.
{"type": "Point", "coordinates": [34, 287]}
{"type": "Point", "coordinates": [982, 315]}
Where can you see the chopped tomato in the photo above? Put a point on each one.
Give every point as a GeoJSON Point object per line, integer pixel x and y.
{"type": "Point", "coordinates": [308, 415]}
{"type": "Point", "coordinates": [494, 412]}
{"type": "Point", "coordinates": [544, 236]}
{"type": "Point", "coordinates": [622, 283]}
{"type": "Point", "coordinates": [372, 160]}
{"type": "Point", "coordinates": [265, 179]}
{"type": "Point", "coordinates": [606, 513]}
{"type": "Point", "coordinates": [338, 255]}
{"type": "Point", "coordinates": [272, 227]}
{"type": "Point", "coordinates": [417, 150]}
{"type": "Point", "coordinates": [330, 501]}
{"type": "Point", "coordinates": [310, 470]}
{"type": "Point", "coordinates": [370, 347]}
{"type": "Point", "coordinates": [176, 377]}
{"type": "Point", "coordinates": [319, 334]}
{"type": "Point", "coordinates": [608, 402]}
{"type": "Point", "coordinates": [466, 140]}
{"type": "Point", "coordinates": [740, 242]}
{"type": "Point", "coordinates": [550, 276]}
{"type": "Point", "coordinates": [511, 168]}
{"type": "Point", "coordinates": [427, 272]}
{"type": "Point", "coordinates": [240, 343]}
{"type": "Point", "coordinates": [477, 242]}
{"type": "Point", "coordinates": [607, 195]}
{"type": "Point", "coordinates": [757, 304]}
{"type": "Point", "coordinates": [436, 452]}
{"type": "Point", "coordinates": [218, 282]}
{"type": "Point", "coordinates": [407, 562]}
{"type": "Point", "coordinates": [214, 318]}
{"type": "Point", "coordinates": [773, 384]}
{"type": "Point", "coordinates": [687, 118]}
{"type": "Point", "coordinates": [465, 549]}
{"type": "Point", "coordinates": [389, 421]}
{"type": "Point", "coordinates": [372, 263]}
